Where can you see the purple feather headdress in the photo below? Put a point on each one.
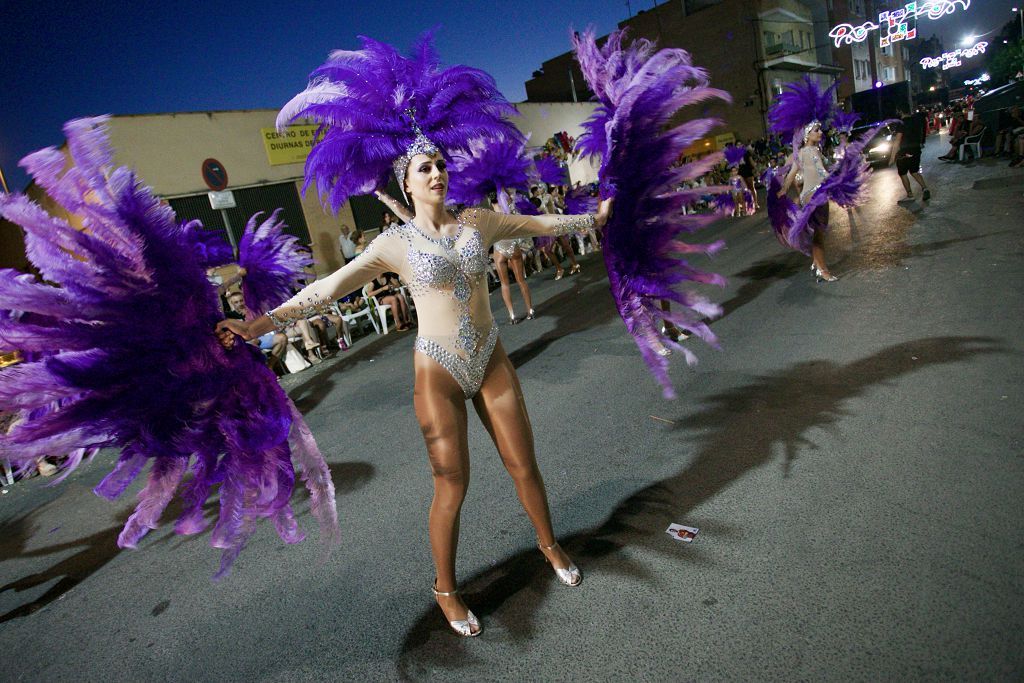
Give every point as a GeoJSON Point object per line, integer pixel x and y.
{"type": "Point", "coordinates": [376, 106]}
{"type": "Point", "coordinates": [111, 368]}
{"type": "Point", "coordinates": [845, 121]}
{"type": "Point", "coordinates": [274, 261]}
{"type": "Point", "coordinates": [734, 155]}
{"type": "Point", "coordinates": [549, 170]}
{"type": "Point", "coordinates": [579, 201]}
{"type": "Point", "coordinates": [640, 92]}
{"type": "Point", "coordinates": [801, 105]}
{"type": "Point", "coordinates": [488, 166]}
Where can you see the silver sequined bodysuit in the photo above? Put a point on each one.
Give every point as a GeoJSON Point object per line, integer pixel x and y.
{"type": "Point", "coordinates": [447, 279]}
{"type": "Point", "coordinates": [813, 170]}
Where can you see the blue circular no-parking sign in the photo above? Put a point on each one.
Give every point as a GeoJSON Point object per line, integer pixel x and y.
{"type": "Point", "coordinates": [215, 175]}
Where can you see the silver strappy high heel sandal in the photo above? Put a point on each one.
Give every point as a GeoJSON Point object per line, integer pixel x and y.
{"type": "Point", "coordinates": [570, 576]}
{"type": "Point", "coordinates": [467, 628]}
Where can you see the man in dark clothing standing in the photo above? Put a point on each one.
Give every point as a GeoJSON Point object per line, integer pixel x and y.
{"type": "Point", "coordinates": [906, 152]}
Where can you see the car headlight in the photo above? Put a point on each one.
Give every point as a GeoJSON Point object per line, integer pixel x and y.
{"type": "Point", "coordinates": [881, 148]}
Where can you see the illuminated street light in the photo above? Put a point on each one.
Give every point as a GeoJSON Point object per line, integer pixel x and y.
{"type": "Point", "coordinates": [931, 89]}
{"type": "Point", "coordinates": [878, 84]}
{"type": "Point", "coordinates": [968, 40]}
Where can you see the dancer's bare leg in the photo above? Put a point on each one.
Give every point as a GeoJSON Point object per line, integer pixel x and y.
{"type": "Point", "coordinates": [502, 409]}
{"type": "Point", "coordinates": [567, 248]}
{"type": "Point", "coordinates": [441, 412]}
{"type": "Point", "coordinates": [549, 251]}
{"type": "Point", "coordinates": [501, 265]}
{"type": "Point", "coordinates": [520, 271]}
{"type": "Point", "coordinates": [818, 252]}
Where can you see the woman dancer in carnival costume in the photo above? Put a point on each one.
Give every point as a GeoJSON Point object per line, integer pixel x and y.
{"type": "Point", "coordinates": [417, 113]}
{"type": "Point", "coordinates": [740, 201]}
{"type": "Point", "coordinates": [843, 122]}
{"type": "Point", "coordinates": [549, 171]}
{"type": "Point", "coordinates": [107, 366]}
{"type": "Point", "coordinates": [801, 111]}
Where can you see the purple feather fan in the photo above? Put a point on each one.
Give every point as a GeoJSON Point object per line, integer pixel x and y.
{"type": "Point", "coordinates": [524, 206]}
{"type": "Point", "coordinates": [636, 132]}
{"type": "Point", "coordinates": [549, 170]}
{"type": "Point", "coordinates": [580, 201]}
{"type": "Point", "coordinates": [210, 248]}
{"type": "Point", "coordinates": [274, 263]}
{"type": "Point", "coordinates": [485, 167]}
{"type": "Point", "coordinates": [363, 99]}
{"type": "Point", "coordinates": [734, 154]}
{"type": "Point", "coordinates": [129, 358]}
{"type": "Point", "coordinates": [800, 103]}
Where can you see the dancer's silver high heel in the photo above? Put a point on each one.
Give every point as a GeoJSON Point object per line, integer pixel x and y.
{"type": "Point", "coordinates": [531, 315]}
{"type": "Point", "coordinates": [467, 628]}
{"type": "Point", "coordinates": [570, 576]}
{"type": "Point", "coordinates": [820, 276]}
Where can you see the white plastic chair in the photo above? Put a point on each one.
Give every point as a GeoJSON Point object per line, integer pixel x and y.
{"type": "Point", "coordinates": [357, 317]}
{"type": "Point", "coordinates": [974, 143]}
{"type": "Point", "coordinates": [382, 310]}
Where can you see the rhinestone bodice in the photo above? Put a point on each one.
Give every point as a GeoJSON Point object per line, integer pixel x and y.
{"type": "Point", "coordinates": [446, 277]}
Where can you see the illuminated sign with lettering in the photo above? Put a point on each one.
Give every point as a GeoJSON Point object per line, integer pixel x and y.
{"type": "Point", "coordinates": [983, 78]}
{"type": "Point", "coordinates": [894, 25]}
{"type": "Point", "coordinates": [948, 60]}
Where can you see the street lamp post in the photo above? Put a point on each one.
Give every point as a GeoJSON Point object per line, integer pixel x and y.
{"type": "Point", "coordinates": [1020, 13]}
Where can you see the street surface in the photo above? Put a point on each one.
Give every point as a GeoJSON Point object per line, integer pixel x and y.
{"type": "Point", "coordinates": [852, 456]}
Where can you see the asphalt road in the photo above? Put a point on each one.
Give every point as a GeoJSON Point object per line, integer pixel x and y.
{"type": "Point", "coordinates": [852, 457]}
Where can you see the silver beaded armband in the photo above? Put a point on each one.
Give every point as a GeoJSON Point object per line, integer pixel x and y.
{"type": "Point", "coordinates": [277, 322]}
{"type": "Point", "coordinates": [575, 223]}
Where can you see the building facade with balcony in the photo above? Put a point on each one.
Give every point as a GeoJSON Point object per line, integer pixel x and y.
{"type": "Point", "coordinates": [750, 49]}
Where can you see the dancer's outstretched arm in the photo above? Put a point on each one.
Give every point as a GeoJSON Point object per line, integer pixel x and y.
{"type": "Point", "coordinates": [500, 226]}
{"type": "Point", "coordinates": [397, 207]}
{"type": "Point", "coordinates": [353, 275]}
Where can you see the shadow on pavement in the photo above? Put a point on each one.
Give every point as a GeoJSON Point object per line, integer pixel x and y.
{"type": "Point", "coordinates": [96, 550]}
{"type": "Point", "coordinates": [738, 431]}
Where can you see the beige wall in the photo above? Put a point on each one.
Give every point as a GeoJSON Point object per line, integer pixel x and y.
{"type": "Point", "coordinates": [167, 150]}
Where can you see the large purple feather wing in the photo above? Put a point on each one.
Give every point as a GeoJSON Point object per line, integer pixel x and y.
{"type": "Point", "coordinates": [640, 91]}
{"type": "Point", "coordinates": [127, 356]}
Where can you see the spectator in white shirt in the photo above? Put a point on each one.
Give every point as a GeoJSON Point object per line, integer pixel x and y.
{"type": "Point", "coordinates": [348, 247]}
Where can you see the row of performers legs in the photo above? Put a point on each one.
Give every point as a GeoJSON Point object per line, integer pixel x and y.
{"type": "Point", "coordinates": [516, 263]}
{"type": "Point", "coordinates": [441, 411]}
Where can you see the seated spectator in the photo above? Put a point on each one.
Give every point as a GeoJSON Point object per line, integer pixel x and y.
{"type": "Point", "coordinates": [386, 288]}
{"type": "Point", "coordinates": [277, 342]}
{"type": "Point", "coordinates": [360, 241]}
{"type": "Point", "coordinates": [961, 134]}
{"type": "Point", "coordinates": [352, 303]}
{"type": "Point", "coordinates": [321, 322]}
{"type": "Point", "coordinates": [1011, 129]}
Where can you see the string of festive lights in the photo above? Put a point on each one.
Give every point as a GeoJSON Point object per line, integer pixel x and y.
{"type": "Point", "coordinates": [949, 60]}
{"type": "Point", "coordinates": [894, 25]}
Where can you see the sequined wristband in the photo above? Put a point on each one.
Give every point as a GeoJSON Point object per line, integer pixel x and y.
{"type": "Point", "coordinates": [574, 224]}
{"type": "Point", "coordinates": [277, 322]}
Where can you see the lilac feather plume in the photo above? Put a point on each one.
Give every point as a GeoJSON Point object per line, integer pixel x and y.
{"type": "Point", "coordinates": [800, 103]}
{"type": "Point", "coordinates": [636, 132]}
{"type": "Point", "coordinates": [275, 263]}
{"type": "Point", "coordinates": [549, 170]}
{"type": "Point", "coordinates": [210, 248]}
{"type": "Point", "coordinates": [580, 201]}
{"type": "Point", "coordinates": [844, 121]}
{"type": "Point", "coordinates": [366, 102]}
{"type": "Point", "coordinates": [734, 154]}
{"type": "Point", "coordinates": [486, 167]}
{"type": "Point", "coordinates": [525, 207]}
{"type": "Point", "coordinates": [125, 356]}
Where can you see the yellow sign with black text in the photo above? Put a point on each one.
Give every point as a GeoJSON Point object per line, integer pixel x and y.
{"type": "Point", "coordinates": [289, 146]}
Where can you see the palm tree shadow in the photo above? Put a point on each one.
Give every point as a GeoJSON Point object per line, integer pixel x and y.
{"type": "Point", "coordinates": [98, 549]}
{"type": "Point", "coordinates": [738, 430]}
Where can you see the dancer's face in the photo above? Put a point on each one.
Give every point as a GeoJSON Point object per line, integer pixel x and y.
{"type": "Point", "coordinates": [426, 180]}
{"type": "Point", "coordinates": [814, 137]}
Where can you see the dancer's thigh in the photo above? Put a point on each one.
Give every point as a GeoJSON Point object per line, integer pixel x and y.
{"type": "Point", "coordinates": [502, 409]}
{"type": "Point", "coordinates": [441, 413]}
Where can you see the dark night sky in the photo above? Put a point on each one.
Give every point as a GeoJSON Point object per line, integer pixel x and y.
{"type": "Point", "coordinates": [66, 59]}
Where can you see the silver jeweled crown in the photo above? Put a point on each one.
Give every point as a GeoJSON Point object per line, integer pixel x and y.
{"type": "Point", "coordinates": [420, 144]}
